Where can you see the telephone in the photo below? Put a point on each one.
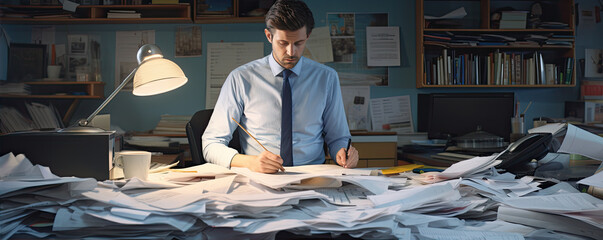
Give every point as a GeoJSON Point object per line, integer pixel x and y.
{"type": "Point", "coordinates": [519, 154]}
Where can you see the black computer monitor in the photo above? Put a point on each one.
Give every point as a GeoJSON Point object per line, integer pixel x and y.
{"type": "Point", "coordinates": [445, 115]}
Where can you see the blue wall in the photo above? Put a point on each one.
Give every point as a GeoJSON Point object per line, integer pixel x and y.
{"type": "Point", "coordinates": [142, 113]}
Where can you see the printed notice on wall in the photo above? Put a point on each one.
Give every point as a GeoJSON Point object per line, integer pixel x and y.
{"type": "Point", "coordinates": [383, 46]}
{"type": "Point", "coordinates": [222, 58]}
{"type": "Point", "coordinates": [392, 114]}
{"type": "Point", "coordinates": [127, 44]}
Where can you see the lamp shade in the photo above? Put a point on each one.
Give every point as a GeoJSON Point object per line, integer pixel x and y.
{"type": "Point", "coordinates": [157, 75]}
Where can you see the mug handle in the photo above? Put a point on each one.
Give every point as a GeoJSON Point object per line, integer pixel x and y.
{"type": "Point", "coordinates": [118, 160]}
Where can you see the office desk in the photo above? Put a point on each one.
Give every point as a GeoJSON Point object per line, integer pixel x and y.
{"type": "Point", "coordinates": [225, 208]}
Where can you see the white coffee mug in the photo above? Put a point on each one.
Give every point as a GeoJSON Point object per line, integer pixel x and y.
{"type": "Point", "coordinates": [134, 163]}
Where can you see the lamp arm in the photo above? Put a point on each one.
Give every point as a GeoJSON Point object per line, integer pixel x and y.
{"type": "Point", "coordinates": [85, 122]}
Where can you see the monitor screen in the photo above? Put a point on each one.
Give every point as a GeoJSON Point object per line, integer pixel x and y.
{"type": "Point", "coordinates": [456, 114]}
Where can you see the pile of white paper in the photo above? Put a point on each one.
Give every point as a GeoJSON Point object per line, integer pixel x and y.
{"type": "Point", "coordinates": [213, 202]}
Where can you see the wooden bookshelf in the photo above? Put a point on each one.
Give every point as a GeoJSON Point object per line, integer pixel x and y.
{"type": "Point", "coordinates": [239, 12]}
{"type": "Point", "coordinates": [477, 22]}
{"type": "Point", "coordinates": [95, 14]}
{"type": "Point", "coordinates": [66, 96]}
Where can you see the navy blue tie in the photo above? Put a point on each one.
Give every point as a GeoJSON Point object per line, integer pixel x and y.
{"type": "Point", "coordinates": [286, 122]}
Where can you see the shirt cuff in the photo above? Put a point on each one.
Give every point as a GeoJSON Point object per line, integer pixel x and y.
{"type": "Point", "coordinates": [219, 154]}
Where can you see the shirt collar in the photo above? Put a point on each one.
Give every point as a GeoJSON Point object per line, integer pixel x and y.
{"type": "Point", "coordinates": [277, 68]}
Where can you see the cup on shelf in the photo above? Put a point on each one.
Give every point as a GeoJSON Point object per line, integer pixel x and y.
{"type": "Point", "coordinates": [82, 74]}
{"type": "Point", "coordinates": [134, 163]}
{"type": "Point", "coordinates": [54, 71]}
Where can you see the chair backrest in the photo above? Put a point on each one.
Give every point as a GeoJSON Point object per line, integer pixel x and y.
{"type": "Point", "coordinates": [194, 131]}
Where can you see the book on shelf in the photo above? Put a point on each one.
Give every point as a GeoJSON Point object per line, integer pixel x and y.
{"type": "Point", "coordinates": [123, 15]}
{"type": "Point", "coordinates": [512, 24]}
{"type": "Point", "coordinates": [591, 90]}
{"type": "Point", "coordinates": [164, 2]}
{"type": "Point", "coordinates": [514, 15]}
{"type": "Point", "coordinates": [495, 68]}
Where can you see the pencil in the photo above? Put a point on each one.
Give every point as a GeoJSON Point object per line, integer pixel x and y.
{"type": "Point", "coordinates": [525, 110]}
{"type": "Point", "coordinates": [249, 134]}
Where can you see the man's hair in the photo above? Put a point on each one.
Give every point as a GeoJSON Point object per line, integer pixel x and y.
{"type": "Point", "coordinates": [290, 15]}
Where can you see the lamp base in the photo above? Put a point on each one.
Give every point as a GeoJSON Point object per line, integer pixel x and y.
{"type": "Point", "coordinates": [82, 129]}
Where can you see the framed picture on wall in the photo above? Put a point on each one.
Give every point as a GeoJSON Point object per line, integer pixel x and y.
{"type": "Point", "coordinates": [26, 62]}
{"type": "Point", "coordinates": [593, 63]}
{"type": "Point", "coordinates": [78, 44]}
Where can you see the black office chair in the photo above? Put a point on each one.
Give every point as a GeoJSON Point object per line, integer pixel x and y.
{"type": "Point", "coordinates": [195, 129]}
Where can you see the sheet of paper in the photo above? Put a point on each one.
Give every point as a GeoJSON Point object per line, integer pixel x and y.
{"type": "Point", "coordinates": [127, 44]}
{"type": "Point", "coordinates": [438, 233]}
{"type": "Point", "coordinates": [222, 58]}
{"type": "Point", "coordinates": [456, 14]}
{"type": "Point", "coordinates": [595, 180]}
{"type": "Point", "coordinates": [180, 197]}
{"type": "Point", "coordinates": [347, 195]}
{"type": "Point", "coordinates": [552, 128]}
{"type": "Point", "coordinates": [188, 41]}
{"type": "Point", "coordinates": [392, 113]}
{"type": "Point", "coordinates": [579, 141]}
{"type": "Point", "coordinates": [414, 197]}
{"type": "Point", "coordinates": [318, 46]}
{"type": "Point", "coordinates": [383, 46]}
{"type": "Point", "coordinates": [356, 103]}
{"type": "Point", "coordinates": [558, 203]}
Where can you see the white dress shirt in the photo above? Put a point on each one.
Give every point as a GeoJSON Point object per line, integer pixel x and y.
{"type": "Point", "coordinates": [251, 94]}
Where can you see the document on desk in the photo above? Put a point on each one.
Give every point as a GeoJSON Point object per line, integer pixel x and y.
{"type": "Point", "coordinates": [439, 233]}
{"type": "Point", "coordinates": [595, 180]}
{"type": "Point", "coordinates": [470, 166]}
{"type": "Point", "coordinates": [348, 194]}
{"type": "Point", "coordinates": [579, 141]}
{"type": "Point", "coordinates": [18, 174]}
{"type": "Point", "coordinates": [558, 203]}
{"type": "Point", "coordinates": [295, 177]}
{"type": "Point", "coordinates": [414, 197]}
{"type": "Point", "coordinates": [182, 196]}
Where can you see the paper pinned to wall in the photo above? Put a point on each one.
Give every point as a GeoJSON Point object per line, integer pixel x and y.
{"type": "Point", "coordinates": [318, 46]}
{"type": "Point", "coordinates": [392, 113]}
{"type": "Point", "coordinates": [222, 58]}
{"type": "Point", "coordinates": [127, 44]}
{"type": "Point", "coordinates": [356, 102]}
{"type": "Point", "coordinates": [383, 46]}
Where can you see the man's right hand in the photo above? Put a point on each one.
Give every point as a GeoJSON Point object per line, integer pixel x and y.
{"type": "Point", "coordinates": [266, 162]}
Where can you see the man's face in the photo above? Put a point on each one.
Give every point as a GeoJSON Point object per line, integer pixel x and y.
{"type": "Point", "coordinates": [287, 46]}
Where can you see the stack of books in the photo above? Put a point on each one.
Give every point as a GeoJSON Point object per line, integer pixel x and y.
{"type": "Point", "coordinates": [123, 14]}
{"type": "Point", "coordinates": [172, 124]}
{"type": "Point", "coordinates": [14, 88]}
{"type": "Point", "coordinates": [591, 90]}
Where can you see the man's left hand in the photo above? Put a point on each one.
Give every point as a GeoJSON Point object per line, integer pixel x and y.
{"type": "Point", "coordinates": [349, 161]}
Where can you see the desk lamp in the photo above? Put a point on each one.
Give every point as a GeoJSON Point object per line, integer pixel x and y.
{"type": "Point", "coordinates": [154, 75]}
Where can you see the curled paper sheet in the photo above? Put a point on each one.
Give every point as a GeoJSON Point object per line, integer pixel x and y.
{"type": "Point", "coordinates": [579, 141]}
{"type": "Point", "coordinates": [69, 5]}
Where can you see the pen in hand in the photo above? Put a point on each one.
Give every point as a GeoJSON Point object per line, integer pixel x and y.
{"type": "Point", "coordinates": [346, 151]}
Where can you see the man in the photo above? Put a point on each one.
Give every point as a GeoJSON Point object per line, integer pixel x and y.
{"type": "Point", "coordinates": [290, 104]}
